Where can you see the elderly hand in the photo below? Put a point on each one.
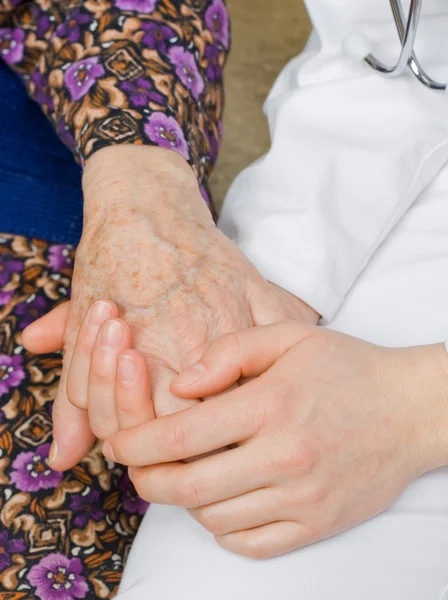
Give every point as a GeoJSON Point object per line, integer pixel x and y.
{"type": "Point", "coordinates": [329, 433]}
{"type": "Point", "coordinates": [149, 244]}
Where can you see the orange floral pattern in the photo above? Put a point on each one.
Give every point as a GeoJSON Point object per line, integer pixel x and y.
{"type": "Point", "coordinates": [124, 71]}
{"type": "Point", "coordinates": [62, 535]}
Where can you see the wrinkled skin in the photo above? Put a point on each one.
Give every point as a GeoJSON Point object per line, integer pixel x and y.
{"type": "Point", "coordinates": [149, 244]}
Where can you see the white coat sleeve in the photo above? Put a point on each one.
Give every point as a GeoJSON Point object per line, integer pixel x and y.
{"type": "Point", "coordinates": [351, 151]}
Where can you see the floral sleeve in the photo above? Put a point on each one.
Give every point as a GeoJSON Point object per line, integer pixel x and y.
{"type": "Point", "coordinates": [123, 71]}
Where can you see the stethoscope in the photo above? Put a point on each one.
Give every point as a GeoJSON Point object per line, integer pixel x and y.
{"type": "Point", "coordinates": [359, 48]}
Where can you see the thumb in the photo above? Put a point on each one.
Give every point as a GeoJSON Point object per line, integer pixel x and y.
{"type": "Point", "coordinates": [47, 333]}
{"type": "Point", "coordinates": [72, 436]}
{"type": "Point", "coordinates": [247, 353]}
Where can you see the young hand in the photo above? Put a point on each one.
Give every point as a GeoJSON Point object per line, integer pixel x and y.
{"type": "Point", "coordinates": [329, 434]}
{"type": "Point", "coordinates": [173, 333]}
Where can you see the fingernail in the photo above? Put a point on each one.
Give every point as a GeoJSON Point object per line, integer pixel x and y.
{"type": "Point", "coordinates": [130, 473]}
{"type": "Point", "coordinates": [108, 451]}
{"type": "Point", "coordinates": [100, 312]}
{"type": "Point", "coordinates": [53, 453]}
{"type": "Point", "coordinates": [191, 375]}
{"type": "Point", "coordinates": [127, 369]}
{"type": "Point", "coordinates": [111, 335]}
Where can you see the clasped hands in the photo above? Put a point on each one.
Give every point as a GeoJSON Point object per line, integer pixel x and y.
{"type": "Point", "coordinates": [304, 432]}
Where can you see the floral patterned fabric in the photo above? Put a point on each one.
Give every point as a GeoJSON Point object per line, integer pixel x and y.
{"type": "Point", "coordinates": [124, 71]}
{"type": "Point", "coordinates": [62, 535]}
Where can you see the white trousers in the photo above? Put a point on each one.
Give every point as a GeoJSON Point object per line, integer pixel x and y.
{"type": "Point", "coordinates": [401, 299]}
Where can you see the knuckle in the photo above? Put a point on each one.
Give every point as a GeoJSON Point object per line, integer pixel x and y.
{"type": "Point", "coordinates": [127, 409]}
{"type": "Point", "coordinates": [314, 496]}
{"type": "Point", "coordinates": [211, 521]}
{"type": "Point", "coordinates": [104, 428]}
{"type": "Point", "coordinates": [69, 346]}
{"type": "Point", "coordinates": [101, 376]}
{"type": "Point", "coordinates": [259, 412]}
{"type": "Point", "coordinates": [312, 533]}
{"type": "Point", "coordinates": [297, 457]}
{"type": "Point", "coordinates": [187, 492]}
{"type": "Point", "coordinates": [255, 549]}
{"type": "Point", "coordinates": [229, 343]}
{"type": "Point", "coordinates": [272, 405]}
{"type": "Point", "coordinates": [175, 440]}
{"type": "Point", "coordinates": [85, 344]}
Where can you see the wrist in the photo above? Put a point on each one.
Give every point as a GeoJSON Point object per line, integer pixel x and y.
{"type": "Point", "coordinates": [146, 179]}
{"type": "Point", "coordinates": [426, 386]}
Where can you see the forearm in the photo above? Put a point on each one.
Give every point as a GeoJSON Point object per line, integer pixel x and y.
{"type": "Point", "coordinates": [136, 177]}
{"type": "Point", "coordinates": [150, 191]}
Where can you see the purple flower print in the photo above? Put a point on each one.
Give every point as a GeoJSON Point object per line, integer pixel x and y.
{"type": "Point", "coordinates": [132, 503]}
{"type": "Point", "coordinates": [141, 92]}
{"type": "Point", "coordinates": [214, 69]}
{"type": "Point", "coordinates": [7, 269]}
{"type": "Point", "coordinates": [42, 21]}
{"type": "Point", "coordinates": [139, 6]}
{"type": "Point", "coordinates": [57, 577]}
{"type": "Point", "coordinates": [88, 506]}
{"type": "Point", "coordinates": [11, 45]}
{"type": "Point", "coordinates": [81, 76]}
{"type": "Point", "coordinates": [71, 28]}
{"type": "Point", "coordinates": [30, 310]}
{"type": "Point", "coordinates": [60, 257]}
{"type": "Point", "coordinates": [167, 133]}
{"type": "Point", "coordinates": [5, 297]}
{"type": "Point", "coordinates": [157, 36]}
{"type": "Point", "coordinates": [11, 372]}
{"type": "Point", "coordinates": [31, 471]}
{"type": "Point", "coordinates": [187, 70]}
{"type": "Point", "coordinates": [42, 94]}
{"type": "Point", "coordinates": [7, 547]}
{"type": "Point", "coordinates": [217, 21]}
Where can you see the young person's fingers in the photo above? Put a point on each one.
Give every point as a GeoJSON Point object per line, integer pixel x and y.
{"type": "Point", "coordinates": [47, 333]}
{"type": "Point", "coordinates": [245, 511]}
{"type": "Point", "coordinates": [78, 376]}
{"type": "Point", "coordinates": [267, 541]}
{"type": "Point", "coordinates": [208, 480]}
{"type": "Point", "coordinates": [246, 353]}
{"type": "Point", "coordinates": [201, 429]}
{"type": "Point", "coordinates": [114, 337]}
{"type": "Point", "coordinates": [132, 391]}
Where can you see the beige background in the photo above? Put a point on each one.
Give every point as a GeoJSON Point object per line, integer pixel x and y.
{"type": "Point", "coordinates": [266, 34]}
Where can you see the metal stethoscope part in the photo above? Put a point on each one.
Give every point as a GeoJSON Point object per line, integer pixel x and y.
{"type": "Point", "coordinates": [357, 46]}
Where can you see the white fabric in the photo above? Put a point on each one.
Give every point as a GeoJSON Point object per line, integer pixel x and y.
{"type": "Point", "coordinates": [351, 151]}
{"type": "Point", "coordinates": [400, 299]}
